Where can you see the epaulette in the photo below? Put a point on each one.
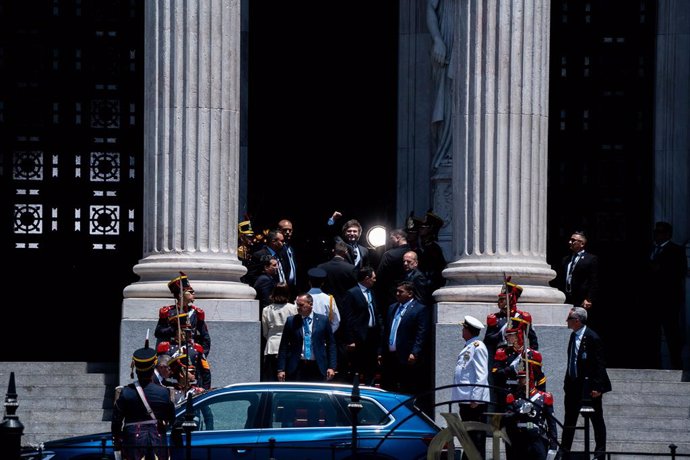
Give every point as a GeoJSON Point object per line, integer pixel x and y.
{"type": "Point", "coordinates": [163, 348]}
{"type": "Point", "coordinates": [164, 312]}
{"type": "Point", "coordinates": [476, 343]}
{"type": "Point", "coordinates": [200, 313]}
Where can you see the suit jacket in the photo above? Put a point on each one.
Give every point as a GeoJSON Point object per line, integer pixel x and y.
{"type": "Point", "coordinates": [340, 276]}
{"type": "Point", "coordinates": [413, 331]}
{"type": "Point", "coordinates": [322, 342]}
{"type": "Point", "coordinates": [263, 286]}
{"type": "Point", "coordinates": [256, 266]}
{"type": "Point", "coordinates": [667, 272]}
{"type": "Point", "coordinates": [363, 254]}
{"type": "Point", "coordinates": [591, 366]}
{"type": "Point", "coordinates": [354, 318]}
{"type": "Point", "coordinates": [585, 279]}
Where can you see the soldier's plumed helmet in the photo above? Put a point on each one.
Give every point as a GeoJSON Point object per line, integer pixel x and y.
{"type": "Point", "coordinates": [434, 221]}
{"type": "Point", "coordinates": [511, 288]}
{"type": "Point", "coordinates": [144, 360]}
{"type": "Point", "coordinates": [179, 284]}
{"type": "Point", "coordinates": [245, 227]}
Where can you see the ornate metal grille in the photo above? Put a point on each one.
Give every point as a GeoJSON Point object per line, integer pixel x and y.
{"type": "Point", "coordinates": [71, 139]}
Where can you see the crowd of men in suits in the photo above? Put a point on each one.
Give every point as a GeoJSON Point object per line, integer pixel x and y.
{"type": "Point", "coordinates": [378, 306]}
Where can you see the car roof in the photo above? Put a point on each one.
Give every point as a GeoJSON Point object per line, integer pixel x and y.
{"type": "Point", "coordinates": [363, 389]}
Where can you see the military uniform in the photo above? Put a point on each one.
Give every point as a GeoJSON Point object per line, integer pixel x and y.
{"type": "Point", "coordinates": [530, 425]}
{"type": "Point", "coordinates": [136, 432]}
{"type": "Point", "coordinates": [192, 316]}
{"type": "Point", "coordinates": [166, 328]}
{"type": "Point", "coordinates": [471, 380]}
{"type": "Point", "coordinates": [195, 353]}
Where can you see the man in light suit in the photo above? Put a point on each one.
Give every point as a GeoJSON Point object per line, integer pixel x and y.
{"type": "Point", "coordinates": [586, 380]}
{"type": "Point", "coordinates": [406, 338]}
{"type": "Point", "coordinates": [361, 327]}
{"type": "Point", "coordinates": [307, 351]}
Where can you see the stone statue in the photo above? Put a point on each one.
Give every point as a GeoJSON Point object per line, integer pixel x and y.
{"type": "Point", "coordinates": [440, 20]}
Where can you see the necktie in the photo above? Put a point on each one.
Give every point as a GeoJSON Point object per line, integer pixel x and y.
{"type": "Point", "coordinates": [372, 317]}
{"type": "Point", "coordinates": [572, 357]}
{"type": "Point", "coordinates": [571, 267]}
{"type": "Point", "coordinates": [657, 250]}
{"type": "Point", "coordinates": [281, 273]}
{"type": "Point", "coordinates": [307, 338]}
{"type": "Point", "coordinates": [399, 311]}
{"type": "Point", "coordinates": [355, 255]}
{"type": "Point", "coordinates": [293, 271]}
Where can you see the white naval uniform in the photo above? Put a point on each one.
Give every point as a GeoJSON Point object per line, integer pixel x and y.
{"type": "Point", "coordinates": [472, 367]}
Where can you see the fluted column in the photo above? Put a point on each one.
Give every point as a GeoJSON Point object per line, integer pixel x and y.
{"type": "Point", "coordinates": [191, 183]}
{"type": "Point", "coordinates": [191, 152]}
{"type": "Point", "coordinates": [499, 165]}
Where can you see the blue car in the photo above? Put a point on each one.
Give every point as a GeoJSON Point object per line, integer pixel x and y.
{"type": "Point", "coordinates": [282, 421]}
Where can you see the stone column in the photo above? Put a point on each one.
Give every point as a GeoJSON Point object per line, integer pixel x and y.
{"type": "Point", "coordinates": [500, 72]}
{"type": "Point", "coordinates": [671, 118]}
{"type": "Point", "coordinates": [500, 151]}
{"type": "Point", "coordinates": [191, 162]}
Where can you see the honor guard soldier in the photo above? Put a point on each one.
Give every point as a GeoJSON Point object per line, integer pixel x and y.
{"type": "Point", "coordinates": [529, 421]}
{"type": "Point", "coordinates": [191, 351]}
{"type": "Point", "coordinates": [246, 242]}
{"type": "Point", "coordinates": [171, 316]}
{"type": "Point", "coordinates": [512, 358]}
{"type": "Point", "coordinates": [496, 323]}
{"type": "Point", "coordinates": [141, 412]}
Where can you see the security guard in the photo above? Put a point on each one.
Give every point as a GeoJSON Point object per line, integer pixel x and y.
{"type": "Point", "coordinates": [141, 412]}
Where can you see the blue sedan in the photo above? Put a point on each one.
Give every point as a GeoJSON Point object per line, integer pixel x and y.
{"type": "Point", "coordinates": [281, 420]}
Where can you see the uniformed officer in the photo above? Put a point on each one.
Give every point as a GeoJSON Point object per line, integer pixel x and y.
{"type": "Point", "coordinates": [513, 357]}
{"type": "Point", "coordinates": [195, 317]}
{"type": "Point", "coordinates": [529, 421]}
{"type": "Point", "coordinates": [193, 354]}
{"type": "Point", "coordinates": [141, 412]}
{"type": "Point", "coordinates": [471, 379]}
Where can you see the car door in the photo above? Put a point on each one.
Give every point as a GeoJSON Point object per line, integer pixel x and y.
{"type": "Point", "coordinates": [227, 427]}
{"type": "Point", "coordinates": [305, 425]}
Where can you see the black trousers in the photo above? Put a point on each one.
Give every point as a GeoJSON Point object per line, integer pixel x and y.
{"type": "Point", "coordinates": [573, 403]}
{"type": "Point", "coordinates": [307, 371]}
{"type": "Point", "coordinates": [475, 414]}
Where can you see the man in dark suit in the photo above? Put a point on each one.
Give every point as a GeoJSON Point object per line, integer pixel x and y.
{"type": "Point", "coordinates": [586, 380]}
{"type": "Point", "coordinates": [361, 327]}
{"type": "Point", "coordinates": [668, 268]}
{"type": "Point", "coordinates": [579, 274]}
{"type": "Point", "coordinates": [351, 232]}
{"type": "Point", "coordinates": [406, 338]}
{"type": "Point", "coordinates": [340, 274]}
{"type": "Point", "coordinates": [307, 351]}
{"type": "Point", "coordinates": [274, 248]}
{"type": "Point", "coordinates": [391, 269]}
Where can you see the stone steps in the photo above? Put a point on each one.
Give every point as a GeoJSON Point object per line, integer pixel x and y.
{"type": "Point", "coordinates": [647, 411]}
{"type": "Point", "coordinates": [61, 399]}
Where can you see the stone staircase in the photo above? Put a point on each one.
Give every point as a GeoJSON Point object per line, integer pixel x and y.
{"type": "Point", "coordinates": [61, 399]}
{"type": "Point", "coordinates": [647, 411]}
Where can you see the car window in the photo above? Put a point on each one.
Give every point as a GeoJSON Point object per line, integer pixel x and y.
{"type": "Point", "coordinates": [298, 409]}
{"type": "Point", "coordinates": [232, 411]}
{"type": "Point", "coordinates": [370, 414]}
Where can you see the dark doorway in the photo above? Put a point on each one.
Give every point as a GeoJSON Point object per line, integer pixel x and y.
{"type": "Point", "coordinates": [601, 153]}
{"type": "Point", "coordinates": [322, 114]}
